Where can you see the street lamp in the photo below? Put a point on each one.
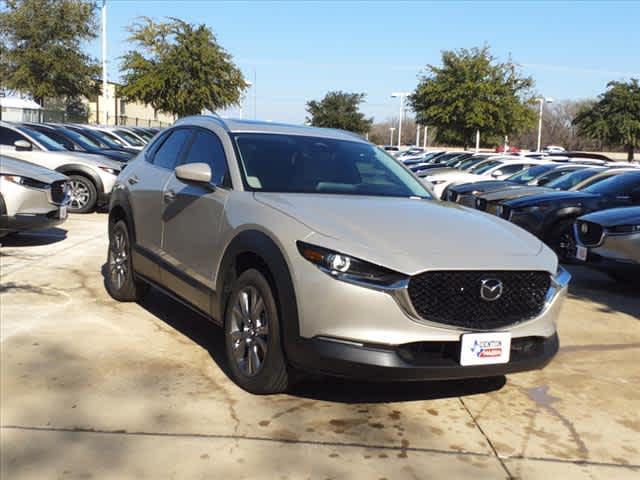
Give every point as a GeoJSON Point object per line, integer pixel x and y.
{"type": "Point", "coordinates": [391, 130]}
{"type": "Point", "coordinates": [542, 101]}
{"type": "Point", "coordinates": [402, 96]}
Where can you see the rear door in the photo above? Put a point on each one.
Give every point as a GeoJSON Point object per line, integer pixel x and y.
{"type": "Point", "coordinates": [146, 182]}
{"type": "Point", "coordinates": [193, 219]}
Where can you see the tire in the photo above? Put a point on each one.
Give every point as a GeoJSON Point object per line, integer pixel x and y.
{"type": "Point", "coordinates": [252, 336]}
{"type": "Point", "coordinates": [84, 194]}
{"type": "Point", "coordinates": [120, 280]}
{"type": "Point", "coordinates": [561, 240]}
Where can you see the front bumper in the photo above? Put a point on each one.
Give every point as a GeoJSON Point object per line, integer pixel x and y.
{"type": "Point", "coordinates": [440, 360]}
{"type": "Point", "coordinates": [23, 222]}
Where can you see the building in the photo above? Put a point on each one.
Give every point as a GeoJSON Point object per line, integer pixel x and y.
{"type": "Point", "coordinates": [112, 110]}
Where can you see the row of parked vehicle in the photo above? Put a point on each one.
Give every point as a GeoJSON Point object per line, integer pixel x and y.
{"type": "Point", "coordinates": [584, 206]}
{"type": "Point", "coordinates": [48, 170]}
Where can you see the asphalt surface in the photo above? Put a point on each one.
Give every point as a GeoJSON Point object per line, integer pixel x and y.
{"type": "Point", "coordinates": [92, 388]}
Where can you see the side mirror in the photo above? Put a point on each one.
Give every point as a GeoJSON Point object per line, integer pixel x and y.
{"type": "Point", "coordinates": [22, 146]}
{"type": "Point", "coordinates": [497, 174]}
{"type": "Point", "coordinates": [542, 181]}
{"type": "Point", "coordinates": [194, 173]}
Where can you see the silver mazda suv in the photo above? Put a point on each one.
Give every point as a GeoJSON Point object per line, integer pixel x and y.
{"type": "Point", "coordinates": [318, 252]}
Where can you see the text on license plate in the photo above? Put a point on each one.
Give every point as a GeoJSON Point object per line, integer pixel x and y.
{"type": "Point", "coordinates": [485, 348]}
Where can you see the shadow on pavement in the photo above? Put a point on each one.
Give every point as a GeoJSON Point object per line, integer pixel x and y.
{"type": "Point", "coordinates": [610, 295]}
{"type": "Point", "coordinates": [34, 239]}
{"type": "Point", "coordinates": [210, 337]}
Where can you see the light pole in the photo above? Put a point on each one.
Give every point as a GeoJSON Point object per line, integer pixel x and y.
{"type": "Point", "coordinates": [249, 85]}
{"type": "Point", "coordinates": [425, 136]}
{"type": "Point", "coordinates": [391, 130]}
{"type": "Point", "coordinates": [402, 96]}
{"type": "Point", "coordinates": [417, 135]}
{"type": "Point", "coordinates": [104, 59]}
{"type": "Point", "coordinates": [542, 101]}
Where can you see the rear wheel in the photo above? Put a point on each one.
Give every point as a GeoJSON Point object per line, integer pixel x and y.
{"type": "Point", "coordinates": [561, 240]}
{"type": "Point", "coordinates": [83, 194]}
{"type": "Point", "coordinates": [252, 336]}
{"type": "Point", "coordinates": [120, 279]}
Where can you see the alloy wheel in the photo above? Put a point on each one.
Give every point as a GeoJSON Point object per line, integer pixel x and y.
{"type": "Point", "coordinates": [79, 194]}
{"type": "Point", "coordinates": [118, 268]}
{"type": "Point", "coordinates": [249, 331]}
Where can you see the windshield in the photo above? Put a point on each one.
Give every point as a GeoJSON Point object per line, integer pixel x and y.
{"type": "Point", "coordinates": [568, 181]}
{"type": "Point", "coordinates": [529, 174]}
{"type": "Point", "coordinates": [617, 185]}
{"type": "Point", "coordinates": [486, 166]}
{"type": "Point", "coordinates": [46, 141]}
{"type": "Point", "coordinates": [84, 142]}
{"type": "Point", "coordinates": [467, 164]}
{"type": "Point", "coordinates": [300, 164]}
{"type": "Point", "coordinates": [131, 138]}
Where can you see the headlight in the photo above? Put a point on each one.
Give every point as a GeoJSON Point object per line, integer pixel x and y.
{"type": "Point", "coordinates": [112, 171]}
{"type": "Point", "coordinates": [25, 181]}
{"type": "Point", "coordinates": [347, 268]}
{"type": "Point", "coordinates": [621, 229]}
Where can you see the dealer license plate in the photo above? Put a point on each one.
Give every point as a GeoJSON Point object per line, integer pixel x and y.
{"type": "Point", "coordinates": [485, 348]}
{"type": "Point", "coordinates": [62, 214]}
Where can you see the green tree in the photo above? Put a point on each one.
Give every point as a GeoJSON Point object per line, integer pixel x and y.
{"type": "Point", "coordinates": [472, 91]}
{"type": "Point", "coordinates": [179, 68]}
{"type": "Point", "coordinates": [339, 110]}
{"type": "Point", "coordinates": [615, 117]}
{"type": "Point", "coordinates": [40, 50]}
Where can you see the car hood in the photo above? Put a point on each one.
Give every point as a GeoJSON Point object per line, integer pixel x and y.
{"type": "Point", "coordinates": [550, 197]}
{"type": "Point", "coordinates": [412, 235]}
{"type": "Point", "coordinates": [482, 186]}
{"type": "Point", "coordinates": [10, 166]}
{"type": "Point", "coordinates": [514, 191]}
{"type": "Point", "coordinates": [88, 159]}
{"type": "Point", "coordinates": [614, 217]}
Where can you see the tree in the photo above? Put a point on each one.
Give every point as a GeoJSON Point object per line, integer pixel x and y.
{"type": "Point", "coordinates": [179, 68]}
{"type": "Point", "coordinates": [472, 91]}
{"type": "Point", "coordinates": [339, 110]}
{"type": "Point", "coordinates": [40, 50]}
{"type": "Point", "coordinates": [615, 118]}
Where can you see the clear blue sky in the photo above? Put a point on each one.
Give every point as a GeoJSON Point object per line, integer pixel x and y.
{"type": "Point", "coordinates": [300, 50]}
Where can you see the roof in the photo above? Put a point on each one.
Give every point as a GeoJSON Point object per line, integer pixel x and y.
{"type": "Point", "coordinates": [256, 126]}
{"type": "Point", "coordinates": [17, 102]}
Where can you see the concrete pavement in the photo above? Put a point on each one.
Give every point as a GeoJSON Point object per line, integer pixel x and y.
{"type": "Point", "coordinates": [92, 388]}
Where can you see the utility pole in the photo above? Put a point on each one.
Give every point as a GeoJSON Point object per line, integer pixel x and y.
{"type": "Point", "coordinates": [104, 57]}
{"type": "Point", "coordinates": [477, 140]}
{"type": "Point", "coordinates": [402, 96]}
{"type": "Point", "coordinates": [391, 130]}
{"type": "Point", "coordinates": [426, 135]}
{"type": "Point", "coordinates": [418, 135]}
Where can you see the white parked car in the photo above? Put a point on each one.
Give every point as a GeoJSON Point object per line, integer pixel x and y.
{"type": "Point", "coordinates": [490, 169]}
{"type": "Point", "coordinates": [125, 137]}
{"type": "Point", "coordinates": [91, 177]}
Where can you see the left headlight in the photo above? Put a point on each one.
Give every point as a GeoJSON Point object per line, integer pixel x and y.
{"type": "Point", "coordinates": [25, 181]}
{"type": "Point", "coordinates": [112, 171]}
{"type": "Point", "coordinates": [347, 268]}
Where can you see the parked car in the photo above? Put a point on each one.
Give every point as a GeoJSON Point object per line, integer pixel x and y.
{"type": "Point", "coordinates": [494, 168]}
{"type": "Point", "coordinates": [609, 240]}
{"type": "Point", "coordinates": [553, 149]}
{"type": "Point", "coordinates": [103, 139]}
{"type": "Point", "coordinates": [76, 142]}
{"type": "Point", "coordinates": [550, 215]}
{"type": "Point", "coordinates": [91, 177]}
{"type": "Point", "coordinates": [296, 241]}
{"type": "Point", "coordinates": [31, 197]}
{"type": "Point", "coordinates": [125, 138]}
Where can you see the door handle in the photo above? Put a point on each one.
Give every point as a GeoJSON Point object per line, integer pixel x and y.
{"type": "Point", "coordinates": [169, 196]}
{"type": "Point", "coordinates": [133, 180]}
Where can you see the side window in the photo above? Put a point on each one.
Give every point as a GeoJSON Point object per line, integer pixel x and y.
{"type": "Point", "coordinates": [167, 155]}
{"type": "Point", "coordinates": [8, 136]}
{"type": "Point", "coordinates": [506, 169]}
{"type": "Point", "coordinates": [153, 148]}
{"type": "Point", "coordinates": [207, 148]}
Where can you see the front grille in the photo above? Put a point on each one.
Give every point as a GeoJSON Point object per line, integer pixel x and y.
{"type": "Point", "coordinates": [468, 200]}
{"type": "Point", "coordinates": [454, 297]}
{"type": "Point", "coordinates": [481, 204]}
{"type": "Point", "coordinates": [589, 233]}
{"type": "Point", "coordinates": [491, 207]}
{"type": "Point", "coordinates": [58, 191]}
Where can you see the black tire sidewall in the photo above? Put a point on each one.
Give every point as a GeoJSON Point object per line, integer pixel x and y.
{"type": "Point", "coordinates": [555, 236]}
{"type": "Point", "coordinates": [93, 194]}
{"type": "Point", "coordinates": [129, 290]}
{"type": "Point", "coordinates": [272, 377]}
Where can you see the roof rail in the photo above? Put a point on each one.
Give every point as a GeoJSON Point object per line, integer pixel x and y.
{"type": "Point", "coordinates": [210, 116]}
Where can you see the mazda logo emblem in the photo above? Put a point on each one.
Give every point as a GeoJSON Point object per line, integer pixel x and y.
{"type": "Point", "coordinates": [490, 289]}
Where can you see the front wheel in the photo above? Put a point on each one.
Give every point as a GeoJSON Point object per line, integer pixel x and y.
{"type": "Point", "coordinates": [561, 240]}
{"type": "Point", "coordinates": [252, 336]}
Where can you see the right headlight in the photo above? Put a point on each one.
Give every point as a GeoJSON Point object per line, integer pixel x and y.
{"type": "Point", "coordinates": [347, 268]}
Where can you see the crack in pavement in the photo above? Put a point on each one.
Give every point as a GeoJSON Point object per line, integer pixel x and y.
{"type": "Point", "coordinates": [500, 458]}
{"type": "Point", "coordinates": [486, 437]}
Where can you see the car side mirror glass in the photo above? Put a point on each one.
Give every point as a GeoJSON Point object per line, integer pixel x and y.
{"type": "Point", "coordinates": [194, 173]}
{"type": "Point", "coordinates": [22, 146]}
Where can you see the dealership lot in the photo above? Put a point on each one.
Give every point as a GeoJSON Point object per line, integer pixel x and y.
{"type": "Point", "coordinates": [92, 387]}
